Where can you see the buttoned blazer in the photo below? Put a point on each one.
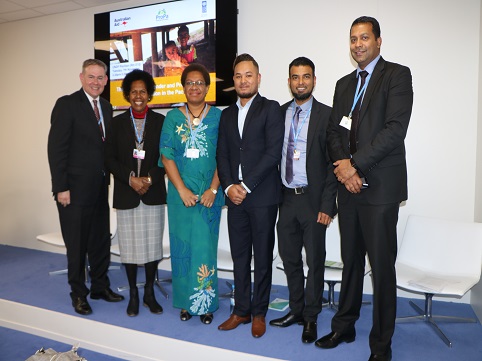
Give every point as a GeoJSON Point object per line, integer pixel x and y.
{"type": "Point", "coordinates": [75, 148]}
{"type": "Point", "coordinates": [322, 184]}
{"type": "Point", "coordinates": [120, 144]}
{"type": "Point", "coordinates": [258, 151]}
{"type": "Point", "coordinates": [382, 127]}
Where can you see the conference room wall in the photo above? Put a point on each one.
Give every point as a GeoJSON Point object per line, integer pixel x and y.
{"type": "Point", "coordinates": [439, 41]}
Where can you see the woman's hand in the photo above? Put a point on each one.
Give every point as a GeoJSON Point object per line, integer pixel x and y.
{"type": "Point", "coordinates": [140, 185]}
{"type": "Point", "coordinates": [188, 198]}
{"type": "Point", "coordinates": [207, 199]}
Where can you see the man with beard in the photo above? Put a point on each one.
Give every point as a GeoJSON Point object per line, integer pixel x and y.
{"type": "Point", "coordinates": [248, 158]}
{"type": "Point", "coordinates": [309, 199]}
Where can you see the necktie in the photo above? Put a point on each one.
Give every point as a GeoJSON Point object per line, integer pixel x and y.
{"type": "Point", "coordinates": [291, 146]}
{"type": "Point", "coordinates": [97, 115]}
{"type": "Point", "coordinates": [356, 115]}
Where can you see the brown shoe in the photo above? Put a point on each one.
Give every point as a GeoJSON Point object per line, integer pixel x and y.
{"type": "Point", "coordinates": [234, 321]}
{"type": "Point", "coordinates": [259, 326]}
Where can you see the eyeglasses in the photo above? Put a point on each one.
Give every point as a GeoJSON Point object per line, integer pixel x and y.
{"type": "Point", "coordinates": [197, 83]}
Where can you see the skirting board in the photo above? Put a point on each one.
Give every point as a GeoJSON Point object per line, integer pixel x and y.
{"type": "Point", "coordinates": [108, 339]}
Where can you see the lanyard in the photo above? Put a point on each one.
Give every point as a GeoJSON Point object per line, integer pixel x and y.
{"type": "Point", "coordinates": [140, 138]}
{"type": "Point", "coordinates": [297, 132]}
{"type": "Point", "coordinates": [359, 94]}
{"type": "Point", "coordinates": [194, 132]}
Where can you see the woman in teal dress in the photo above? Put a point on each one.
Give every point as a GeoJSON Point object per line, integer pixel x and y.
{"type": "Point", "coordinates": [194, 198]}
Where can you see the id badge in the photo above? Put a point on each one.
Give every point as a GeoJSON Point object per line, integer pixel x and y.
{"type": "Point", "coordinates": [192, 153]}
{"type": "Point", "coordinates": [346, 122]}
{"type": "Point", "coordinates": [296, 154]}
{"type": "Point", "coordinates": [139, 154]}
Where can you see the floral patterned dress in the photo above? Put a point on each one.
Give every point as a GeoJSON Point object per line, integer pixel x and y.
{"type": "Point", "coordinates": [193, 231]}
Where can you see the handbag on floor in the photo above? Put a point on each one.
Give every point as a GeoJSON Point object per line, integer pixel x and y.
{"type": "Point", "coordinates": [52, 355]}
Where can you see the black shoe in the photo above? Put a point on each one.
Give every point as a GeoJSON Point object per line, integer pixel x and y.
{"type": "Point", "coordinates": [185, 316]}
{"type": "Point", "coordinates": [107, 295]}
{"type": "Point", "coordinates": [81, 305]}
{"type": "Point", "coordinates": [333, 339]}
{"type": "Point", "coordinates": [207, 318]}
{"type": "Point", "coordinates": [150, 301]}
{"type": "Point", "coordinates": [287, 320]}
{"type": "Point", "coordinates": [310, 332]}
{"type": "Point", "coordinates": [381, 357]}
{"type": "Point", "coordinates": [133, 306]}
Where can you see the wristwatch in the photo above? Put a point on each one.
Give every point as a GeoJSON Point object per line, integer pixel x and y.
{"type": "Point", "coordinates": [215, 191]}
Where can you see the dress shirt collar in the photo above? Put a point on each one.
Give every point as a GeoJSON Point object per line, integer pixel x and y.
{"type": "Point", "coordinates": [248, 104]}
{"type": "Point", "coordinates": [370, 67]}
{"type": "Point", "coordinates": [305, 106]}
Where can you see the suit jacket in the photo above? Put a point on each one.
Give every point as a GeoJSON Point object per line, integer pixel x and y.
{"type": "Point", "coordinates": [322, 183]}
{"type": "Point", "coordinates": [258, 151]}
{"type": "Point", "coordinates": [120, 143]}
{"type": "Point", "coordinates": [382, 127]}
{"type": "Point", "coordinates": [76, 149]}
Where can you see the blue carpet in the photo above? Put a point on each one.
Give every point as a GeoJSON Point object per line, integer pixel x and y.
{"type": "Point", "coordinates": [24, 279]}
{"type": "Point", "coordinates": [18, 346]}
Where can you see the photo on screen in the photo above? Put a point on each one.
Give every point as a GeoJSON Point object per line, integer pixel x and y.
{"type": "Point", "coordinates": [163, 39]}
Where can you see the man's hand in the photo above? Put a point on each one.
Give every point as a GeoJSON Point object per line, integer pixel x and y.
{"type": "Point", "coordinates": [64, 198]}
{"type": "Point", "coordinates": [343, 170]}
{"type": "Point", "coordinates": [324, 218]}
{"type": "Point", "coordinates": [354, 184]}
{"type": "Point", "coordinates": [237, 194]}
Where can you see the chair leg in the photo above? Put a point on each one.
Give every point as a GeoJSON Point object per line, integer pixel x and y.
{"type": "Point", "coordinates": [158, 283]}
{"type": "Point", "coordinates": [426, 316]}
{"type": "Point", "coordinates": [330, 301]}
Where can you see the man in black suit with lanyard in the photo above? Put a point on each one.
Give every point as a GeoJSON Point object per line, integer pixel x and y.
{"type": "Point", "coordinates": [80, 184]}
{"type": "Point", "coordinates": [309, 199]}
{"type": "Point", "coordinates": [371, 112]}
{"type": "Point", "coordinates": [248, 157]}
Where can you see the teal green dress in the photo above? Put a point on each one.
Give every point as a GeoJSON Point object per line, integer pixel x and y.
{"type": "Point", "coordinates": [193, 231]}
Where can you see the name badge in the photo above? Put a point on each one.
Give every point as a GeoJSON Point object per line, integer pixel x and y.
{"type": "Point", "coordinates": [296, 154]}
{"type": "Point", "coordinates": [139, 154]}
{"type": "Point", "coordinates": [346, 122]}
{"type": "Point", "coordinates": [192, 153]}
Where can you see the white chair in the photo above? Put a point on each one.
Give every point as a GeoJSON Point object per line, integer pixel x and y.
{"type": "Point", "coordinates": [438, 257]}
{"type": "Point", "coordinates": [56, 239]}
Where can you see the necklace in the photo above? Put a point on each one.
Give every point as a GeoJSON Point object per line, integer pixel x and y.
{"type": "Point", "coordinates": [196, 121]}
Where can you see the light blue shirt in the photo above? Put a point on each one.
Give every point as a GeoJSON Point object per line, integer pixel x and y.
{"type": "Point", "coordinates": [300, 178]}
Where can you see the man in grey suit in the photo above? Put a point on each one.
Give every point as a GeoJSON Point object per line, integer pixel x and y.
{"type": "Point", "coordinates": [309, 199]}
{"type": "Point", "coordinates": [371, 112]}
{"type": "Point", "coordinates": [80, 184]}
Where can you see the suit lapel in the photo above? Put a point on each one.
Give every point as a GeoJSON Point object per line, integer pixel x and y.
{"type": "Point", "coordinates": [313, 124]}
{"type": "Point", "coordinates": [377, 74]}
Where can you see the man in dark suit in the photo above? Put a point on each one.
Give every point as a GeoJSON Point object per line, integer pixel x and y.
{"type": "Point", "coordinates": [309, 199]}
{"type": "Point", "coordinates": [80, 184]}
{"type": "Point", "coordinates": [248, 157]}
{"type": "Point", "coordinates": [367, 145]}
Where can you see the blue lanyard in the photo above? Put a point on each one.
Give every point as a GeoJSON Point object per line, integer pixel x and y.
{"type": "Point", "coordinates": [194, 132]}
{"type": "Point", "coordinates": [140, 138]}
{"type": "Point", "coordinates": [359, 94]}
{"type": "Point", "coordinates": [297, 132]}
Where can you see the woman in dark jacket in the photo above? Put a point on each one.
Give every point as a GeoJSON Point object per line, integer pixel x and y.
{"type": "Point", "coordinates": [132, 155]}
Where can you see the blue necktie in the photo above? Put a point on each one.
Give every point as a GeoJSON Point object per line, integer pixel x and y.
{"type": "Point", "coordinates": [291, 147]}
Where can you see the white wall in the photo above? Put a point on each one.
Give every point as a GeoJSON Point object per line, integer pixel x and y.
{"type": "Point", "coordinates": [440, 41]}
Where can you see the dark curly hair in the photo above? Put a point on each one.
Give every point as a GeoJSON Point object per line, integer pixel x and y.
{"type": "Point", "coordinates": [195, 67]}
{"type": "Point", "coordinates": [135, 75]}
